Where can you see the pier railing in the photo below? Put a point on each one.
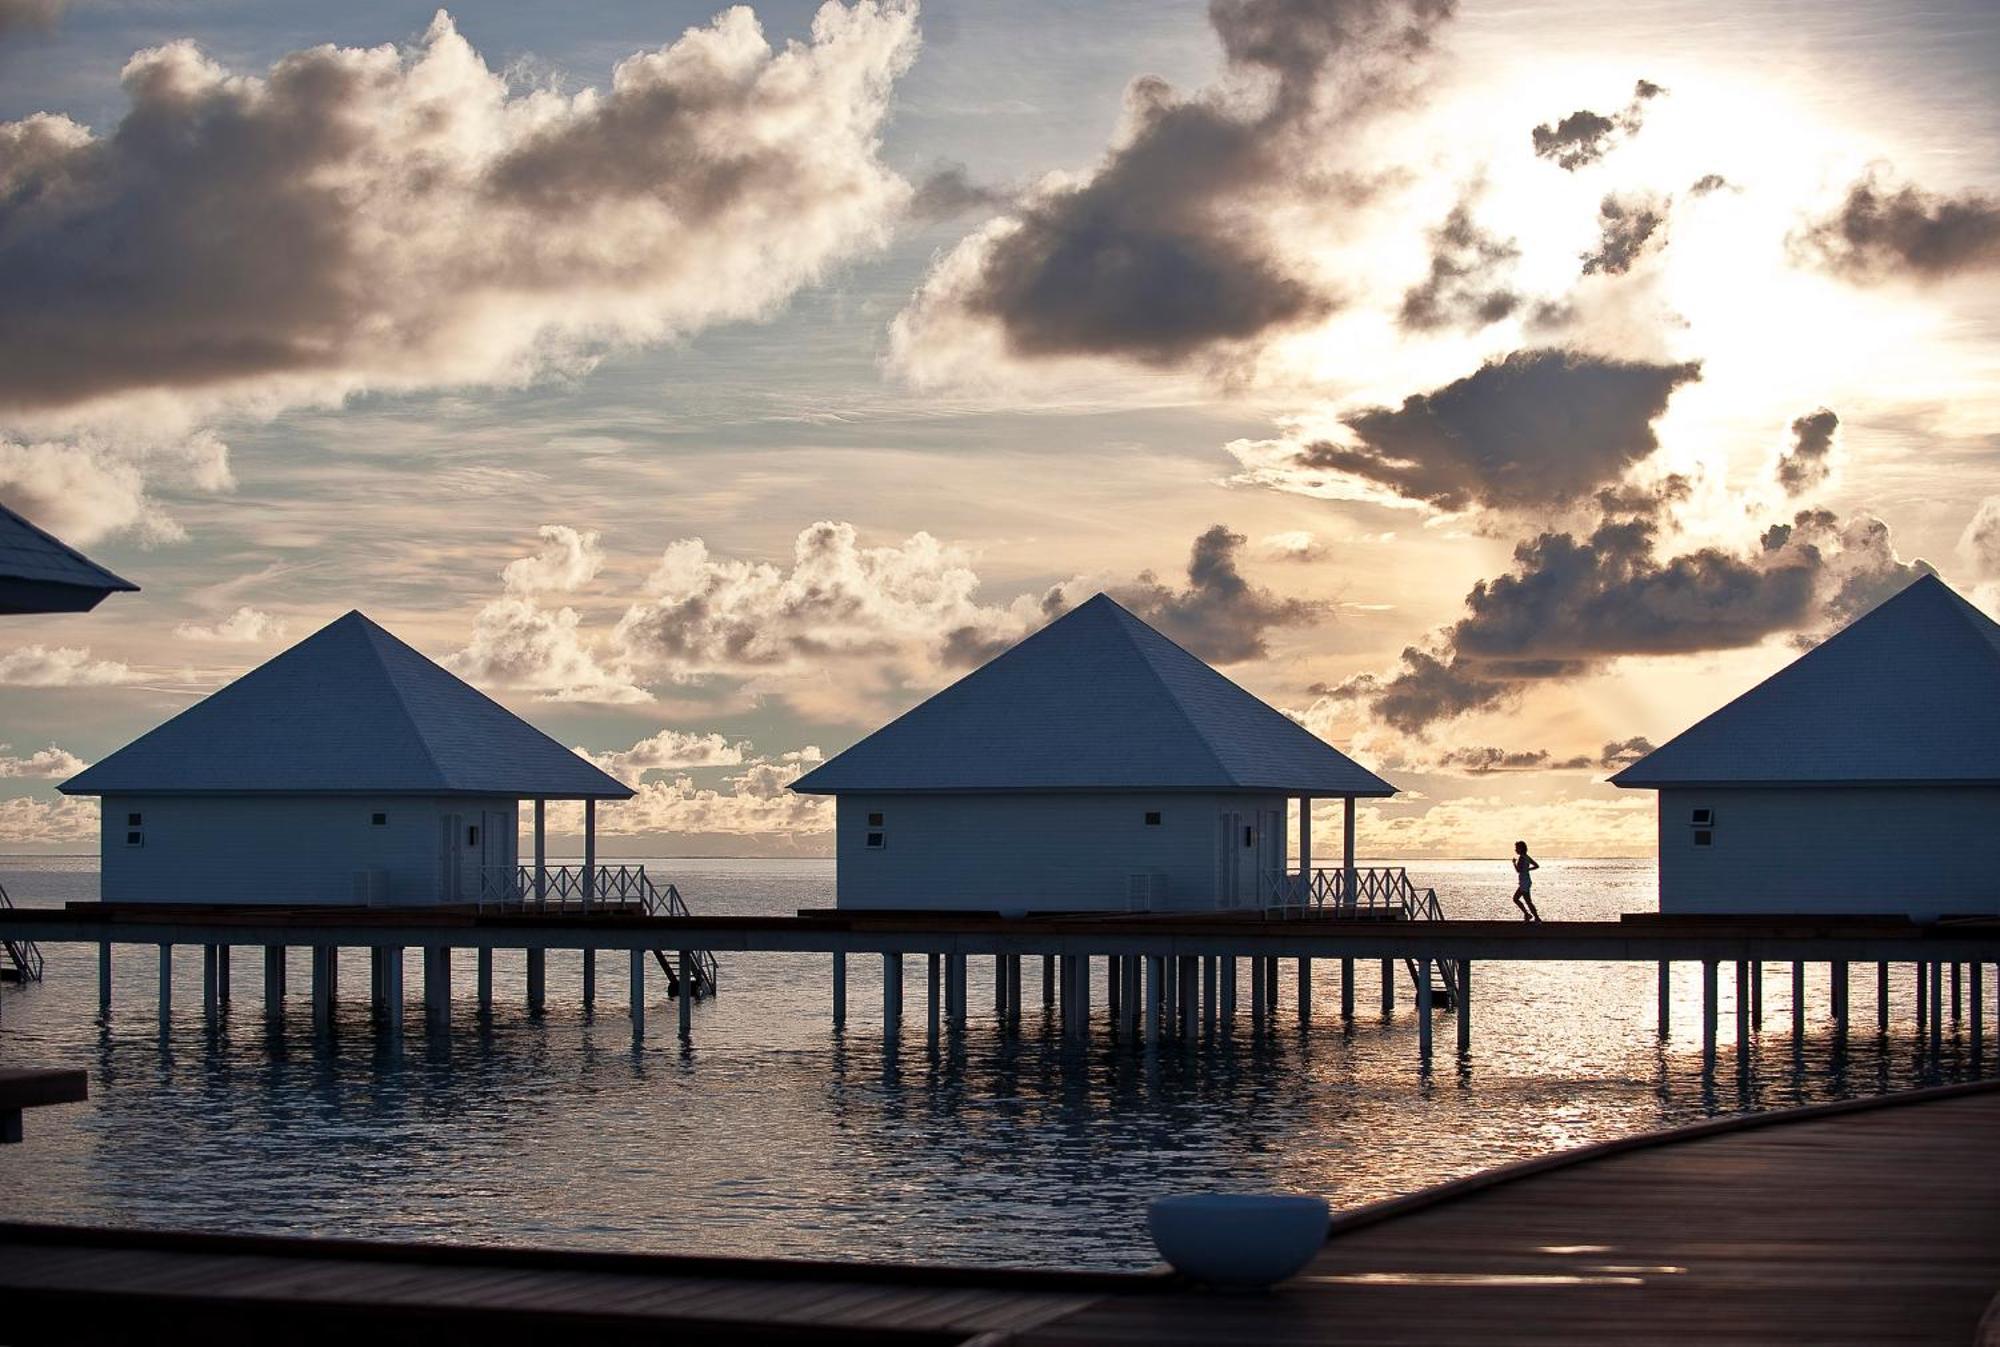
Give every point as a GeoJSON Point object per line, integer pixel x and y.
{"type": "Point", "coordinates": [24, 956]}
{"type": "Point", "coordinates": [1373, 888]}
{"type": "Point", "coordinates": [601, 890]}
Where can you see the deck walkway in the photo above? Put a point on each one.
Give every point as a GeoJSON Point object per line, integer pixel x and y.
{"type": "Point", "coordinates": [1841, 1224]}
{"type": "Point", "coordinates": [1865, 1222]}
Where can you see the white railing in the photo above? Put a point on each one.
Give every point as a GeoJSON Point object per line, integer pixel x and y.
{"type": "Point", "coordinates": [1373, 888]}
{"type": "Point", "coordinates": [601, 890]}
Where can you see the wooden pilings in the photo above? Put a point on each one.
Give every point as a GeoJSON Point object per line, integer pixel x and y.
{"type": "Point", "coordinates": [1798, 1001]}
{"type": "Point", "coordinates": [1708, 999]}
{"type": "Point", "coordinates": [933, 1002]}
{"type": "Point", "coordinates": [686, 981]}
{"type": "Point", "coordinates": [1666, 996]}
{"type": "Point", "coordinates": [274, 982]}
{"type": "Point", "coordinates": [538, 979]}
{"type": "Point", "coordinates": [1388, 986]}
{"type": "Point", "coordinates": [1937, 1017]}
{"type": "Point", "coordinates": [1463, 1008]}
{"type": "Point", "coordinates": [392, 990]}
{"type": "Point", "coordinates": [482, 976]}
{"type": "Point", "coordinates": [1424, 1009]}
{"type": "Point", "coordinates": [636, 1000]}
{"type": "Point", "coordinates": [839, 991]}
{"type": "Point", "coordinates": [1347, 990]}
{"type": "Point", "coordinates": [437, 985]}
{"type": "Point", "coordinates": [589, 980]}
{"type": "Point", "coordinates": [1838, 994]}
{"type": "Point", "coordinates": [1305, 991]}
{"type": "Point", "coordinates": [892, 995]}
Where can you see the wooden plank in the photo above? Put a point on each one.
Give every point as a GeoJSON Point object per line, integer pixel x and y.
{"type": "Point", "coordinates": [37, 1086]}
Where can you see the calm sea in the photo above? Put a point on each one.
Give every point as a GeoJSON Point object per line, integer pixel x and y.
{"type": "Point", "coordinates": [771, 1135]}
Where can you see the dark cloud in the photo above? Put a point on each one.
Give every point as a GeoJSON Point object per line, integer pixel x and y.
{"type": "Point", "coordinates": [1624, 752]}
{"type": "Point", "coordinates": [383, 219]}
{"type": "Point", "coordinates": [1626, 225]}
{"type": "Point", "coordinates": [35, 15]}
{"type": "Point", "coordinates": [1584, 137]}
{"type": "Point", "coordinates": [1804, 465]}
{"type": "Point", "coordinates": [1878, 233]}
{"type": "Point", "coordinates": [1571, 604]}
{"type": "Point", "coordinates": [1164, 252]}
{"type": "Point", "coordinates": [1709, 182]}
{"type": "Point", "coordinates": [1487, 761]}
{"type": "Point", "coordinates": [949, 192]}
{"type": "Point", "coordinates": [1462, 289]}
{"type": "Point", "coordinates": [1538, 428]}
{"type": "Point", "coordinates": [1219, 615]}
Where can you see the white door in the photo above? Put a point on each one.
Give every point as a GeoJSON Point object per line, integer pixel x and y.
{"type": "Point", "coordinates": [451, 864]}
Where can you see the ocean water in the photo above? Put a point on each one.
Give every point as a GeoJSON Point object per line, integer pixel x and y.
{"type": "Point", "coordinates": [771, 1135]}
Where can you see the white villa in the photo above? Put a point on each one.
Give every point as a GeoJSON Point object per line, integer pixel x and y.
{"type": "Point", "coordinates": [349, 769]}
{"type": "Point", "coordinates": [1863, 778]}
{"type": "Point", "coordinates": [1095, 766]}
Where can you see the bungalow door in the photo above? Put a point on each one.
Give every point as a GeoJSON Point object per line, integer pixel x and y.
{"type": "Point", "coordinates": [1238, 850]}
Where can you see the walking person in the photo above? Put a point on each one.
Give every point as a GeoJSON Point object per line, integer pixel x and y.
{"type": "Point", "coordinates": [1524, 882]}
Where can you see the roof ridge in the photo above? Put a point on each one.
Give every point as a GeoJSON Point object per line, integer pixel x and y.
{"type": "Point", "coordinates": [372, 630]}
{"type": "Point", "coordinates": [1129, 626]}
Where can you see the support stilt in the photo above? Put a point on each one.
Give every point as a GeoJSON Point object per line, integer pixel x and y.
{"type": "Point", "coordinates": [1305, 994]}
{"type": "Point", "coordinates": [1937, 1010]}
{"type": "Point", "coordinates": [1048, 981]}
{"type": "Point", "coordinates": [1388, 986]}
{"type": "Point", "coordinates": [1424, 1009]}
{"type": "Point", "coordinates": [274, 981]}
{"type": "Point", "coordinates": [1798, 1001]}
{"type": "Point", "coordinates": [636, 997]}
{"type": "Point", "coordinates": [392, 991]}
{"type": "Point", "coordinates": [934, 966]}
{"type": "Point", "coordinates": [1463, 1010]}
{"type": "Point", "coordinates": [1838, 974]}
{"type": "Point", "coordinates": [482, 977]}
{"type": "Point", "coordinates": [892, 995]}
{"type": "Point", "coordinates": [686, 980]}
{"type": "Point", "coordinates": [1882, 998]}
{"type": "Point", "coordinates": [1708, 1016]}
{"type": "Point", "coordinates": [840, 991]}
{"type": "Point", "coordinates": [1155, 975]}
{"type": "Point", "coordinates": [538, 979]}
{"type": "Point", "coordinates": [1347, 989]}
{"type": "Point", "coordinates": [589, 980]}
{"type": "Point", "coordinates": [1666, 996]}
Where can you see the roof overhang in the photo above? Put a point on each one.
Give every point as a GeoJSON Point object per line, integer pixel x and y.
{"type": "Point", "coordinates": [376, 793]}
{"type": "Point", "coordinates": [1312, 794]}
{"type": "Point", "coordinates": [1898, 783]}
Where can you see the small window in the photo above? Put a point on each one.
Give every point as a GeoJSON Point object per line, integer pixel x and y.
{"type": "Point", "coordinates": [1249, 837]}
{"type": "Point", "coordinates": [135, 839]}
{"type": "Point", "coordinates": [874, 820]}
{"type": "Point", "coordinates": [472, 835]}
{"type": "Point", "coordinates": [379, 820]}
{"type": "Point", "coordinates": [1703, 818]}
{"type": "Point", "coordinates": [132, 820]}
{"type": "Point", "coordinates": [1703, 837]}
{"type": "Point", "coordinates": [876, 841]}
{"type": "Point", "coordinates": [1152, 818]}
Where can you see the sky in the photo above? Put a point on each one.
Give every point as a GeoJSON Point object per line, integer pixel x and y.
{"type": "Point", "coordinates": [1494, 387]}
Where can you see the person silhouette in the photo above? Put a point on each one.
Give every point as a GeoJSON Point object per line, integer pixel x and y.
{"type": "Point", "coordinates": [1524, 882]}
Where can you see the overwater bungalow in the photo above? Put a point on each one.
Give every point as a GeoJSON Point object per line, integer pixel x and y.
{"type": "Point", "coordinates": [40, 573]}
{"type": "Point", "coordinates": [1863, 778]}
{"type": "Point", "coordinates": [349, 769]}
{"type": "Point", "coordinates": [1094, 766]}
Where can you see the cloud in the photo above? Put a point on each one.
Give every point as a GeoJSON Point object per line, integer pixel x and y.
{"type": "Point", "coordinates": [1570, 604]}
{"type": "Point", "coordinates": [1584, 137]}
{"type": "Point", "coordinates": [1219, 616]}
{"type": "Point", "coordinates": [1624, 752]}
{"type": "Point", "coordinates": [903, 604]}
{"type": "Point", "coordinates": [1296, 545]}
{"type": "Point", "coordinates": [1709, 182]}
{"type": "Point", "coordinates": [1461, 289]}
{"type": "Point", "coordinates": [90, 489]}
{"type": "Point", "coordinates": [30, 821]}
{"type": "Point", "coordinates": [1534, 429]}
{"type": "Point", "coordinates": [1805, 465]}
{"type": "Point", "coordinates": [39, 15]}
{"type": "Point", "coordinates": [950, 192]}
{"type": "Point", "coordinates": [752, 803]}
{"type": "Point", "coordinates": [62, 666]}
{"type": "Point", "coordinates": [1980, 543]}
{"type": "Point", "coordinates": [1626, 225]}
{"type": "Point", "coordinates": [1171, 248]}
{"type": "Point", "coordinates": [50, 764]}
{"type": "Point", "coordinates": [1878, 234]}
{"type": "Point", "coordinates": [669, 750]}
{"type": "Point", "coordinates": [384, 219]}
{"type": "Point", "coordinates": [246, 625]}
{"type": "Point", "coordinates": [1487, 761]}
{"type": "Point", "coordinates": [519, 645]}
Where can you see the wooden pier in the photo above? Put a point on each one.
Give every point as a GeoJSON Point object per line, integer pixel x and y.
{"type": "Point", "coordinates": [1861, 1222]}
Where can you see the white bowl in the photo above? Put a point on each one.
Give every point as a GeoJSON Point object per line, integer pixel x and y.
{"type": "Point", "coordinates": [1238, 1239]}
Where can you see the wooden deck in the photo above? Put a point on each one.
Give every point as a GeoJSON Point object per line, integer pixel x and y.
{"type": "Point", "coordinates": [25, 1087]}
{"type": "Point", "coordinates": [1873, 1221]}
{"type": "Point", "coordinates": [1871, 1224]}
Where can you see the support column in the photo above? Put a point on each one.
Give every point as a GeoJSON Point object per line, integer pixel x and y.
{"type": "Point", "coordinates": [961, 1000]}
{"type": "Point", "coordinates": [1271, 992]}
{"type": "Point", "coordinates": [1957, 992]}
{"type": "Point", "coordinates": [1708, 1015]}
{"type": "Point", "coordinates": [1882, 998]}
{"type": "Point", "coordinates": [1305, 851]}
{"type": "Point", "coordinates": [1757, 996]}
{"type": "Point", "coordinates": [538, 980]}
{"type": "Point", "coordinates": [1155, 975]}
{"type": "Point", "coordinates": [1014, 992]}
{"type": "Point", "coordinates": [1743, 1013]}
{"type": "Point", "coordinates": [222, 974]}
{"type": "Point", "coordinates": [1000, 987]}
{"type": "Point", "coordinates": [840, 991]}
{"type": "Point", "coordinates": [482, 979]}
{"type": "Point", "coordinates": [1923, 981]}
{"type": "Point", "coordinates": [437, 985]}
{"type": "Point", "coordinates": [892, 995]}
{"type": "Point", "coordinates": [1347, 989]}
{"type": "Point", "coordinates": [637, 1001]}
{"type": "Point", "coordinates": [687, 995]}
{"type": "Point", "coordinates": [1388, 986]}
{"type": "Point", "coordinates": [935, 964]}
{"type": "Point", "coordinates": [274, 981]}
{"type": "Point", "coordinates": [1259, 990]}
{"type": "Point", "coordinates": [1131, 995]}
{"type": "Point", "coordinates": [1190, 1000]}
{"type": "Point", "coordinates": [1083, 997]}
{"type": "Point", "coordinates": [1210, 986]}
{"type": "Point", "coordinates": [322, 988]}
{"type": "Point", "coordinates": [589, 980]}
{"type": "Point", "coordinates": [208, 1004]}
{"type": "Point", "coordinates": [1227, 976]}
{"type": "Point", "coordinates": [1464, 1007]}
{"type": "Point", "coordinates": [1798, 1001]}
{"type": "Point", "coordinates": [1048, 981]}
{"type": "Point", "coordinates": [1937, 1009]}
{"type": "Point", "coordinates": [166, 983]}
{"type": "Point", "coordinates": [1978, 1016]}
{"type": "Point", "coordinates": [1305, 991]}
{"type": "Point", "coordinates": [589, 885]}
{"type": "Point", "coordinates": [541, 852]}
{"type": "Point", "coordinates": [1666, 996]}
{"type": "Point", "coordinates": [1424, 1009]}
{"type": "Point", "coordinates": [1347, 893]}
{"type": "Point", "coordinates": [1838, 974]}
{"type": "Point", "coordinates": [392, 991]}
